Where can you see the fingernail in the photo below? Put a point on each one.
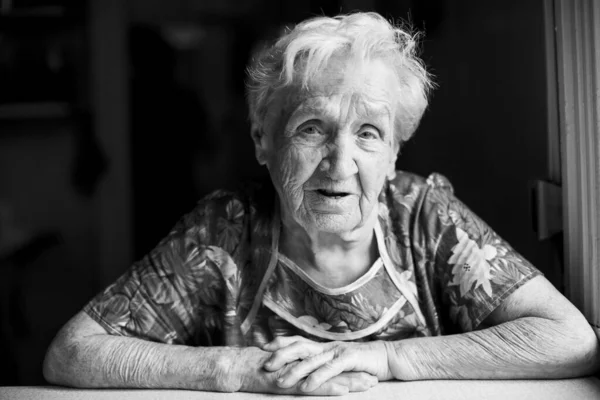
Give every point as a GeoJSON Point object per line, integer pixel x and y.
{"type": "Point", "coordinates": [279, 381]}
{"type": "Point", "coordinates": [304, 386]}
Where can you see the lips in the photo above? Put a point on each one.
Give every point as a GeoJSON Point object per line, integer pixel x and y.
{"type": "Point", "coordinates": [332, 193]}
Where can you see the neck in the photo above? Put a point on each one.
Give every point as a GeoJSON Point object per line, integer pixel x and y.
{"type": "Point", "coordinates": [331, 259]}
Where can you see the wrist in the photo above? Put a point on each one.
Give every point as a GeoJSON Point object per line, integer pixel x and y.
{"type": "Point", "coordinates": [245, 369]}
{"type": "Point", "coordinates": [399, 363]}
{"type": "Point", "coordinates": [226, 371]}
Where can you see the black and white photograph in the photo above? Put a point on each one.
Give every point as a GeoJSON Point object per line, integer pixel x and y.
{"type": "Point", "coordinates": [247, 199]}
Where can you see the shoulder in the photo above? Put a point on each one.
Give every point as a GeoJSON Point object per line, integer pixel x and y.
{"type": "Point", "coordinates": [221, 218]}
{"type": "Point", "coordinates": [417, 193]}
{"type": "Point", "coordinates": [422, 208]}
{"type": "Point", "coordinates": [217, 219]}
{"type": "Point", "coordinates": [405, 182]}
{"type": "Point", "coordinates": [219, 203]}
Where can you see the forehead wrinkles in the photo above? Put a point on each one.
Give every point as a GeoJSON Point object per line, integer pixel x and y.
{"type": "Point", "coordinates": [346, 105]}
{"type": "Point", "coordinates": [355, 105]}
{"type": "Point", "coordinates": [370, 107]}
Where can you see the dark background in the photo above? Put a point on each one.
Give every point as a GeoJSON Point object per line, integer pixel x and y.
{"type": "Point", "coordinates": [116, 116]}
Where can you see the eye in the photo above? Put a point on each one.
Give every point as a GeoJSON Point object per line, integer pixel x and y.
{"type": "Point", "coordinates": [369, 133]}
{"type": "Point", "coordinates": [310, 129]}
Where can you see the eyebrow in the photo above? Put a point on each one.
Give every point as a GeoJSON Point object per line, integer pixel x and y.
{"type": "Point", "coordinates": [305, 108]}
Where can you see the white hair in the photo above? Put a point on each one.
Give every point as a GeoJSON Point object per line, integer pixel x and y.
{"type": "Point", "coordinates": [304, 52]}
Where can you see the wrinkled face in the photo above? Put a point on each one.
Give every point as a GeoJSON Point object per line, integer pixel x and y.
{"type": "Point", "coordinates": [329, 150]}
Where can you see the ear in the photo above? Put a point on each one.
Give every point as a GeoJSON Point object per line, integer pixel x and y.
{"type": "Point", "coordinates": [391, 173]}
{"type": "Point", "coordinates": [260, 144]}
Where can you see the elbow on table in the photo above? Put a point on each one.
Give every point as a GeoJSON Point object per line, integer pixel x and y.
{"type": "Point", "coordinates": [58, 363]}
{"type": "Point", "coordinates": [50, 367]}
{"type": "Point", "coordinates": [589, 352]}
{"type": "Point", "coordinates": [578, 348]}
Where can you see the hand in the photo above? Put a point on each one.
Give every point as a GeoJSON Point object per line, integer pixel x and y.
{"type": "Point", "coordinates": [297, 358]}
{"type": "Point", "coordinates": [248, 375]}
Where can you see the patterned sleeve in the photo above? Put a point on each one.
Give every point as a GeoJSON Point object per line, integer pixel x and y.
{"type": "Point", "coordinates": [474, 268]}
{"type": "Point", "coordinates": [175, 293]}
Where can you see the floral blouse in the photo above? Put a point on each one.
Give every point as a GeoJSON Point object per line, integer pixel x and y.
{"type": "Point", "coordinates": [219, 279]}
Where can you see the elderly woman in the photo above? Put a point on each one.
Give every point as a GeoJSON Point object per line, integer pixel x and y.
{"type": "Point", "coordinates": [341, 271]}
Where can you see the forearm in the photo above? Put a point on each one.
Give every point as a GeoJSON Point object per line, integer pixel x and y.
{"type": "Point", "coordinates": [113, 361]}
{"type": "Point", "coordinates": [526, 348]}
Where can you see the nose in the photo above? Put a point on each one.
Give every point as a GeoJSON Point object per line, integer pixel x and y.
{"type": "Point", "coordinates": [339, 162]}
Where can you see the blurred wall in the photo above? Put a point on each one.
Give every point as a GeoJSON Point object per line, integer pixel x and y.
{"type": "Point", "coordinates": [487, 125]}
{"type": "Point", "coordinates": [38, 296]}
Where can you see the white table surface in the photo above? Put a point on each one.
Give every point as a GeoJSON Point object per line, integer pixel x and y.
{"type": "Point", "coordinates": [564, 389]}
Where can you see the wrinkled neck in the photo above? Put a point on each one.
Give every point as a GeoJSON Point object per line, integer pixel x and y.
{"type": "Point", "coordinates": [332, 259]}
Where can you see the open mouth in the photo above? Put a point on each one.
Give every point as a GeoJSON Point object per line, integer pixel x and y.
{"type": "Point", "coordinates": [332, 194]}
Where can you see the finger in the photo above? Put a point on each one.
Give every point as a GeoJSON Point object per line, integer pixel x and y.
{"type": "Point", "coordinates": [356, 381]}
{"type": "Point", "coordinates": [363, 382]}
{"type": "Point", "coordinates": [296, 351]}
{"type": "Point", "coordinates": [334, 388]}
{"type": "Point", "coordinates": [327, 371]}
{"type": "Point", "coordinates": [283, 341]}
{"type": "Point", "coordinates": [302, 369]}
{"type": "Point", "coordinates": [327, 389]}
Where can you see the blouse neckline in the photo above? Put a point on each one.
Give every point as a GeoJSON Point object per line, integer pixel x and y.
{"type": "Point", "coordinates": [360, 281]}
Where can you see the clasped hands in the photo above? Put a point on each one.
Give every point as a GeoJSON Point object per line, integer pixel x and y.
{"type": "Point", "coordinates": [297, 365]}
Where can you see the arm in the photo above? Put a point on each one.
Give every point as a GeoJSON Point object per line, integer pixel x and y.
{"type": "Point", "coordinates": [535, 333]}
{"type": "Point", "coordinates": [83, 354]}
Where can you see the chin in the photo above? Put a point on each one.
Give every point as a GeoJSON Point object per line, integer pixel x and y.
{"type": "Point", "coordinates": [334, 223]}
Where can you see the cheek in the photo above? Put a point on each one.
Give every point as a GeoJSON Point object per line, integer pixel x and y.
{"type": "Point", "coordinates": [293, 165]}
{"type": "Point", "coordinates": [372, 171]}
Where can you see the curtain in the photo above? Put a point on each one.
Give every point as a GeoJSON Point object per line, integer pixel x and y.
{"type": "Point", "coordinates": [577, 30]}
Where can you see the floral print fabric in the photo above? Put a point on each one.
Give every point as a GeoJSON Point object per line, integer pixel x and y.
{"type": "Point", "coordinates": [371, 308]}
{"type": "Point", "coordinates": [218, 279]}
